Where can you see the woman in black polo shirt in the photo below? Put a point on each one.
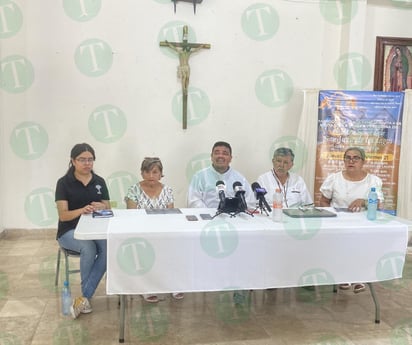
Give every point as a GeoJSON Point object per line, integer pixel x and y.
{"type": "Point", "coordinates": [79, 192]}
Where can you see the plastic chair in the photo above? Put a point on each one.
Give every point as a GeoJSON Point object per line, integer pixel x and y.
{"type": "Point", "coordinates": [67, 253]}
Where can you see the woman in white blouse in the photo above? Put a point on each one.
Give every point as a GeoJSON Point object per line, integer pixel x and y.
{"type": "Point", "coordinates": [349, 188]}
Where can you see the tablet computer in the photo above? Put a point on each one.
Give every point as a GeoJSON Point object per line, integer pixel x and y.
{"type": "Point", "coordinates": [308, 213]}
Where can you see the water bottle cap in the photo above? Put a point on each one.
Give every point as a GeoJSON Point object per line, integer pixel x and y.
{"type": "Point", "coordinates": [373, 189]}
{"type": "Point", "coordinates": [66, 283]}
{"type": "Point", "coordinates": [277, 190]}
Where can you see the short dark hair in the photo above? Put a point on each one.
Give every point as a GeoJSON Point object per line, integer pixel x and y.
{"type": "Point", "coordinates": [222, 143]}
{"type": "Point", "coordinates": [284, 151]}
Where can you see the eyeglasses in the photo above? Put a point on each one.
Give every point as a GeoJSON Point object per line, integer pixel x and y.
{"type": "Point", "coordinates": [353, 158]}
{"type": "Point", "coordinates": [85, 160]}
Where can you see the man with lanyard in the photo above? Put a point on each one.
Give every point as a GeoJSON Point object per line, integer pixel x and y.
{"type": "Point", "coordinates": [291, 185]}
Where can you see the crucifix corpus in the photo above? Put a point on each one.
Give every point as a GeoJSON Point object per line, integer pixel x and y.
{"type": "Point", "coordinates": [184, 50]}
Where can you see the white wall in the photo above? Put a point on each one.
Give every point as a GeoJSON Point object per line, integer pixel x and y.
{"type": "Point", "coordinates": [59, 100]}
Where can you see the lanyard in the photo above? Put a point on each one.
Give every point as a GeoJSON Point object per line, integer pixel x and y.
{"type": "Point", "coordinates": [282, 187]}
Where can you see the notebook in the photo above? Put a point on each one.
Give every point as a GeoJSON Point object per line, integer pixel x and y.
{"type": "Point", "coordinates": [308, 213]}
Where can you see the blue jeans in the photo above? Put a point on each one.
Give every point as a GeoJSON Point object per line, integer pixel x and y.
{"type": "Point", "coordinates": [93, 255]}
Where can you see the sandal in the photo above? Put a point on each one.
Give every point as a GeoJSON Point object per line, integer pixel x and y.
{"type": "Point", "coordinates": [151, 298]}
{"type": "Point", "coordinates": [345, 286]}
{"type": "Point", "coordinates": [359, 288]}
{"type": "Point", "coordinates": [178, 295]}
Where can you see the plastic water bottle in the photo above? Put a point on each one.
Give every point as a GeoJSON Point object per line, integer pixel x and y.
{"type": "Point", "coordinates": [277, 213]}
{"type": "Point", "coordinates": [372, 204]}
{"type": "Point", "coordinates": [66, 298]}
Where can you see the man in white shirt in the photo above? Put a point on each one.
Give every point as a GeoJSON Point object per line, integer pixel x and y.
{"type": "Point", "coordinates": [202, 189]}
{"type": "Point", "coordinates": [291, 185]}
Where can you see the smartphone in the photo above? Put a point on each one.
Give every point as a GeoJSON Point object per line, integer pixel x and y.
{"type": "Point", "coordinates": [205, 216]}
{"type": "Point", "coordinates": [191, 217]}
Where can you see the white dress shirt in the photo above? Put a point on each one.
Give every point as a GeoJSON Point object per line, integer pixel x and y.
{"type": "Point", "coordinates": [202, 189]}
{"type": "Point", "coordinates": [294, 191]}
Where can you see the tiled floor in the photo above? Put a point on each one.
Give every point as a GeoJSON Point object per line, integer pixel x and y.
{"type": "Point", "coordinates": [30, 310]}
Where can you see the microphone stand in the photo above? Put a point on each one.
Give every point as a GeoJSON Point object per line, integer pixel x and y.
{"type": "Point", "coordinates": [231, 209]}
{"type": "Point", "coordinates": [262, 208]}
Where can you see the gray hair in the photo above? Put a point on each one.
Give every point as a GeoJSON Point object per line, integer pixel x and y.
{"type": "Point", "coordinates": [284, 151]}
{"type": "Point", "coordinates": [361, 152]}
{"type": "Point", "coordinates": [149, 162]}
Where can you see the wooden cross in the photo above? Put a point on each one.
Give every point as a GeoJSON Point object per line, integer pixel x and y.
{"type": "Point", "coordinates": [184, 50]}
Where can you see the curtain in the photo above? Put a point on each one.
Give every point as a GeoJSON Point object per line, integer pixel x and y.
{"type": "Point", "coordinates": [307, 132]}
{"type": "Point", "coordinates": [405, 176]}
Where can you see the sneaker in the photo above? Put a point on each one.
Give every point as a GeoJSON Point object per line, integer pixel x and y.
{"type": "Point", "coordinates": [87, 306]}
{"type": "Point", "coordinates": [79, 305]}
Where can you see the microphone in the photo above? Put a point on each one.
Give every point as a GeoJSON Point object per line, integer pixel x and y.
{"type": "Point", "coordinates": [220, 188]}
{"type": "Point", "coordinates": [240, 194]}
{"type": "Point", "coordinates": [260, 196]}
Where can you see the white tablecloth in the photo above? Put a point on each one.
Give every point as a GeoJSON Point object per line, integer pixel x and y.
{"type": "Point", "coordinates": [167, 253]}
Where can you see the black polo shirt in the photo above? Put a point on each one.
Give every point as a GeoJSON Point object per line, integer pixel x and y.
{"type": "Point", "coordinates": [78, 195]}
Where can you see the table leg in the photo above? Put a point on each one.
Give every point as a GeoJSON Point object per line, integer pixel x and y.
{"type": "Point", "coordinates": [122, 317]}
{"type": "Point", "coordinates": [377, 306]}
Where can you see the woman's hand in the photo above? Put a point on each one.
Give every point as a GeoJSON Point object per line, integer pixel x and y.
{"type": "Point", "coordinates": [96, 205]}
{"type": "Point", "coordinates": [356, 205]}
{"type": "Point", "coordinates": [88, 209]}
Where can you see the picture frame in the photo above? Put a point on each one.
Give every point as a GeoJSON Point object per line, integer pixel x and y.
{"type": "Point", "coordinates": [393, 64]}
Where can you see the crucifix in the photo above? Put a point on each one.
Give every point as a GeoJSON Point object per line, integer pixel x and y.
{"type": "Point", "coordinates": [184, 50]}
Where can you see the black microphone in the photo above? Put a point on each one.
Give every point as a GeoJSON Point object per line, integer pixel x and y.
{"type": "Point", "coordinates": [240, 194]}
{"type": "Point", "coordinates": [220, 188]}
{"type": "Point", "coordinates": [260, 195]}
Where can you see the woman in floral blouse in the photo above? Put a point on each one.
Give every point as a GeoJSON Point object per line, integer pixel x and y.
{"type": "Point", "coordinates": [151, 193]}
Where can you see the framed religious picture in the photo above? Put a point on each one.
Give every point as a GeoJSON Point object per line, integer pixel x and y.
{"type": "Point", "coordinates": [393, 64]}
